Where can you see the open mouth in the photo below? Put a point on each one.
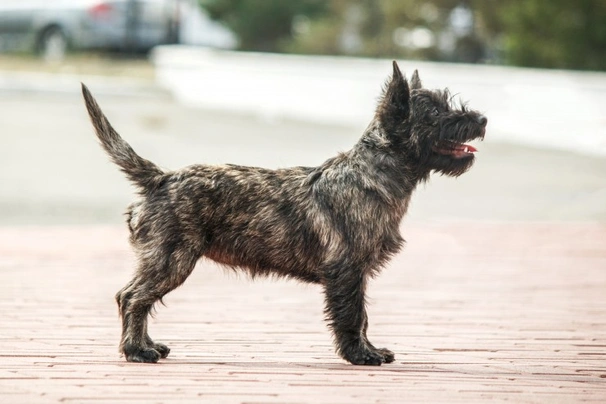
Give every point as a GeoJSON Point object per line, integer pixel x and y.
{"type": "Point", "coordinates": [455, 150]}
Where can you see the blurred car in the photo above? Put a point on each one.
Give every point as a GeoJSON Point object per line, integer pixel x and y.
{"type": "Point", "coordinates": [51, 27]}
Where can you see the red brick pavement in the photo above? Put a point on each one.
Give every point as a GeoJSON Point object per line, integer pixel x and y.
{"type": "Point", "coordinates": [474, 312]}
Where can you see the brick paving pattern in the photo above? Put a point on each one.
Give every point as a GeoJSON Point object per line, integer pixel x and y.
{"type": "Point", "coordinates": [475, 313]}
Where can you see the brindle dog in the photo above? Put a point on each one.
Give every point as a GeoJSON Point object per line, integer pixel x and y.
{"type": "Point", "coordinates": [335, 225]}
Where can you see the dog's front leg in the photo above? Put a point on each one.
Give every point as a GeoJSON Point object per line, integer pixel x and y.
{"type": "Point", "coordinates": [345, 287]}
{"type": "Point", "coordinates": [387, 354]}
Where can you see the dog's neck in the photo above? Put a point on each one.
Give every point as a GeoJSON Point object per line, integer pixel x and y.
{"type": "Point", "coordinates": [390, 160]}
{"type": "Point", "coordinates": [386, 173]}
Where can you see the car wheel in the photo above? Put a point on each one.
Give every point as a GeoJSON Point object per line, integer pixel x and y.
{"type": "Point", "coordinates": [53, 45]}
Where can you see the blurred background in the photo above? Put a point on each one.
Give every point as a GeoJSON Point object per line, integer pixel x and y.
{"type": "Point", "coordinates": [280, 83]}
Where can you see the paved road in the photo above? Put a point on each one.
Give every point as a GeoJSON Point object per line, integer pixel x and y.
{"type": "Point", "coordinates": [476, 313]}
{"type": "Point", "coordinates": [53, 172]}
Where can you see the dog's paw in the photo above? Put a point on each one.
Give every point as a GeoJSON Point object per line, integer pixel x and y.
{"type": "Point", "coordinates": [368, 355]}
{"type": "Point", "coordinates": [388, 356]}
{"type": "Point", "coordinates": [162, 349]}
{"type": "Point", "coordinates": [141, 355]}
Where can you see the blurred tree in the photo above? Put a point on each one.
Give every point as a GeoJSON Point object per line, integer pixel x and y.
{"type": "Point", "coordinates": [387, 28]}
{"type": "Point", "coordinates": [557, 33]}
{"type": "Point", "coordinates": [262, 25]}
{"type": "Point", "coordinates": [406, 19]}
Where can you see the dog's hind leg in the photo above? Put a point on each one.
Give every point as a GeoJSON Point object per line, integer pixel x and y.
{"type": "Point", "coordinates": [156, 276]}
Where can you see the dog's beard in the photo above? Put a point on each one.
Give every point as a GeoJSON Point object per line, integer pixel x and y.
{"type": "Point", "coordinates": [450, 165]}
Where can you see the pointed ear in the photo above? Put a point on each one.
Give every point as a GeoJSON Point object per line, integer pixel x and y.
{"type": "Point", "coordinates": [415, 81]}
{"type": "Point", "coordinates": [395, 104]}
{"type": "Point", "coordinates": [396, 71]}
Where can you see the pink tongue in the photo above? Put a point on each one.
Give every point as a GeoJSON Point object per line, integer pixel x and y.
{"type": "Point", "coordinates": [470, 149]}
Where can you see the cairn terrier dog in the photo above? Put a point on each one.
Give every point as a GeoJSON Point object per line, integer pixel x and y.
{"type": "Point", "coordinates": [335, 225]}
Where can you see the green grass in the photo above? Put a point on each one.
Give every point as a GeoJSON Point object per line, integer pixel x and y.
{"type": "Point", "coordinates": [82, 64]}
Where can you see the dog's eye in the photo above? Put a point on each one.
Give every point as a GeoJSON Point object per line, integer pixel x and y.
{"type": "Point", "coordinates": [435, 112]}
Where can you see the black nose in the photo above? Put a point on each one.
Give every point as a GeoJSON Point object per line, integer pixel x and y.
{"type": "Point", "coordinates": [482, 120]}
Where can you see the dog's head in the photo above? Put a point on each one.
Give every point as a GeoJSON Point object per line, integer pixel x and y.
{"type": "Point", "coordinates": [426, 127]}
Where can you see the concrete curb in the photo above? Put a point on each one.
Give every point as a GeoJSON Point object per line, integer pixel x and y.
{"type": "Point", "coordinates": [545, 108]}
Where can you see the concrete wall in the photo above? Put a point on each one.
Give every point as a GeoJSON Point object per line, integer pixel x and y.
{"type": "Point", "coordinates": [545, 108]}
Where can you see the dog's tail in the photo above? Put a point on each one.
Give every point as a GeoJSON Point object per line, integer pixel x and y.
{"type": "Point", "coordinates": [140, 171]}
